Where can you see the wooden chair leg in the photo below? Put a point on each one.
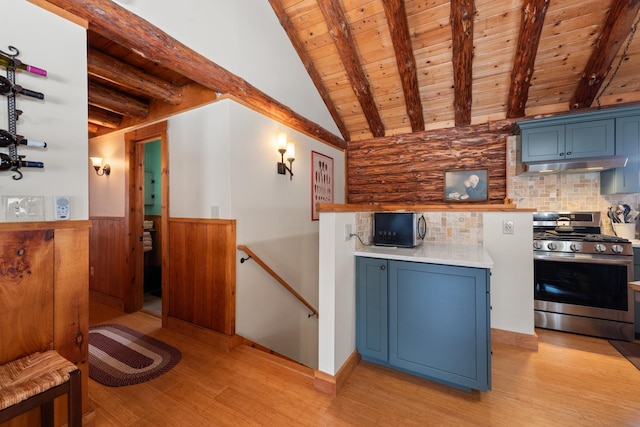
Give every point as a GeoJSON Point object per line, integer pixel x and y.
{"type": "Point", "coordinates": [46, 414]}
{"type": "Point", "coordinates": [74, 399]}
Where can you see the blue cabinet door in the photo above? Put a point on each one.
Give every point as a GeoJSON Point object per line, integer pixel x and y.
{"type": "Point", "coordinates": [371, 308]}
{"type": "Point", "coordinates": [626, 179]}
{"type": "Point", "coordinates": [595, 138]}
{"type": "Point", "coordinates": [439, 322]}
{"type": "Point", "coordinates": [544, 143]}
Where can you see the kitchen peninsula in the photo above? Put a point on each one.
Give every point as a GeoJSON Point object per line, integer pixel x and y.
{"type": "Point", "coordinates": [426, 311]}
{"type": "Point", "coordinates": [509, 259]}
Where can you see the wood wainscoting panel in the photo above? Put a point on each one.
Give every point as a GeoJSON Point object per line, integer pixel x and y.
{"type": "Point", "coordinates": [201, 285]}
{"type": "Point", "coordinates": [108, 259]}
{"type": "Point", "coordinates": [26, 293]}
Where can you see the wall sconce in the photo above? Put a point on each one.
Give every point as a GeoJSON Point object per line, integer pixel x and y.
{"type": "Point", "coordinates": [289, 150]}
{"type": "Point", "coordinates": [97, 164]}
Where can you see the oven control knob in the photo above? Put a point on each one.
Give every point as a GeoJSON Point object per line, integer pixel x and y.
{"type": "Point", "coordinates": [537, 245]}
{"type": "Point", "coordinates": [575, 247]}
{"type": "Point", "coordinates": [617, 249]}
{"type": "Point", "coordinates": [552, 246]}
{"type": "Point", "coordinates": [600, 247]}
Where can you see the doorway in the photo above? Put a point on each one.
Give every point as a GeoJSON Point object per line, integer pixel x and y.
{"type": "Point", "coordinates": [152, 226]}
{"type": "Point", "coordinates": [147, 223]}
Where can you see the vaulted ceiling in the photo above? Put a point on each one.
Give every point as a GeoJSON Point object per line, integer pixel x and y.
{"type": "Point", "coordinates": [388, 67]}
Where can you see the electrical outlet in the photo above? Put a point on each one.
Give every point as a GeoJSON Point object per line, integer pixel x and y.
{"type": "Point", "coordinates": [348, 229]}
{"type": "Point", "coordinates": [507, 227]}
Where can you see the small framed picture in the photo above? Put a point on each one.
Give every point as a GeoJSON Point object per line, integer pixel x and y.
{"type": "Point", "coordinates": [321, 181]}
{"type": "Point", "coordinates": [466, 185]}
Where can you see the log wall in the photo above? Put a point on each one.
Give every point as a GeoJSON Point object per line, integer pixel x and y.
{"type": "Point", "coordinates": [410, 168]}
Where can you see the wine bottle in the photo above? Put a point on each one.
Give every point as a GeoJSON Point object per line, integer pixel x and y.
{"type": "Point", "coordinates": [6, 140]}
{"type": "Point", "coordinates": [6, 87]}
{"type": "Point", "coordinates": [6, 163]}
{"type": "Point", "coordinates": [8, 62]}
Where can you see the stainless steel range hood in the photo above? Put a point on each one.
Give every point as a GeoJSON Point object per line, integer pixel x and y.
{"type": "Point", "coordinates": [594, 164]}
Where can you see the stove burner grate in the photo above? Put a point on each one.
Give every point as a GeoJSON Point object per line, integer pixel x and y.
{"type": "Point", "coordinates": [577, 237]}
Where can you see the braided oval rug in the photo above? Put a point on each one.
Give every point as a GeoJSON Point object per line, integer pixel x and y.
{"type": "Point", "coordinates": [120, 356]}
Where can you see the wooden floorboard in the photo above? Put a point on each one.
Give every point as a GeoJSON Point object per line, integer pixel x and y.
{"type": "Point", "coordinates": [571, 380]}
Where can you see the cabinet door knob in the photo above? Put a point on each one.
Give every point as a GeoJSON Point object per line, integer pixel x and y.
{"type": "Point", "coordinates": [568, 153]}
{"type": "Point", "coordinates": [382, 267]}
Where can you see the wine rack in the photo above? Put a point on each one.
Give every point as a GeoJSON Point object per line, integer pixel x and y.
{"type": "Point", "coordinates": [11, 64]}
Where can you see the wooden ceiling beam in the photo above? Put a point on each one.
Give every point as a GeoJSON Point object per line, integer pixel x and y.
{"type": "Point", "coordinates": [531, 24]}
{"type": "Point", "coordinates": [616, 30]}
{"type": "Point", "coordinates": [298, 45]}
{"type": "Point", "coordinates": [104, 118]}
{"type": "Point", "coordinates": [401, 39]}
{"type": "Point", "coordinates": [462, 16]}
{"type": "Point", "coordinates": [116, 101]}
{"type": "Point", "coordinates": [345, 45]}
{"type": "Point", "coordinates": [129, 30]}
{"type": "Point", "coordinates": [123, 74]}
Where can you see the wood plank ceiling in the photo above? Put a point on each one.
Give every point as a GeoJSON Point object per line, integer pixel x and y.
{"type": "Point", "coordinates": [391, 67]}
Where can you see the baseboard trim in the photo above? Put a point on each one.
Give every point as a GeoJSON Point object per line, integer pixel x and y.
{"type": "Point", "coordinates": [107, 300]}
{"type": "Point", "coordinates": [330, 384]}
{"type": "Point", "coordinates": [530, 342]}
{"type": "Point", "coordinates": [221, 341]}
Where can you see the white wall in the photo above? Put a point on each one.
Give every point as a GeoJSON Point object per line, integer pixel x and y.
{"type": "Point", "coordinates": [199, 161]}
{"type": "Point", "coordinates": [512, 274]}
{"type": "Point", "coordinates": [337, 277]}
{"type": "Point", "coordinates": [244, 37]}
{"type": "Point", "coordinates": [108, 193]}
{"type": "Point", "coordinates": [273, 214]}
{"type": "Point", "coordinates": [61, 118]}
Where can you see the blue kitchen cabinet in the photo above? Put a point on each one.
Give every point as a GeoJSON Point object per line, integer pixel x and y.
{"type": "Point", "coordinates": [626, 179]}
{"type": "Point", "coordinates": [371, 308]}
{"type": "Point", "coordinates": [438, 320]}
{"type": "Point", "coordinates": [576, 140]}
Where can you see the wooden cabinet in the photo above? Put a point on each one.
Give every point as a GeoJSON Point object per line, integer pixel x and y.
{"type": "Point", "coordinates": [429, 320]}
{"type": "Point", "coordinates": [626, 179]}
{"type": "Point", "coordinates": [44, 295]}
{"type": "Point", "coordinates": [568, 141]}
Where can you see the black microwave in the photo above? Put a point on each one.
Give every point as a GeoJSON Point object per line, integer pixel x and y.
{"type": "Point", "coordinates": [400, 229]}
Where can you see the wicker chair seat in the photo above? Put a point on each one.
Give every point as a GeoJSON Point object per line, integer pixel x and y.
{"type": "Point", "coordinates": [35, 381]}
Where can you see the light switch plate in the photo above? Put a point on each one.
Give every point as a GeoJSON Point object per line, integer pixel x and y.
{"type": "Point", "coordinates": [23, 208]}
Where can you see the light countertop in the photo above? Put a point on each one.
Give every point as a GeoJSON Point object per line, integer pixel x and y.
{"type": "Point", "coordinates": [463, 255]}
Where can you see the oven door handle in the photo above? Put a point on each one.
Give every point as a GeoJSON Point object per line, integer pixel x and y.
{"type": "Point", "coordinates": [609, 260]}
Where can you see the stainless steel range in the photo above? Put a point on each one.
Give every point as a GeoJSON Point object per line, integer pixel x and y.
{"type": "Point", "coordinates": [581, 276]}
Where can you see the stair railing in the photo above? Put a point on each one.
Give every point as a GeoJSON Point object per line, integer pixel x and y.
{"type": "Point", "coordinates": [280, 280]}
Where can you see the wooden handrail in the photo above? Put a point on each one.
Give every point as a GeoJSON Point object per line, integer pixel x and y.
{"type": "Point", "coordinates": [280, 280]}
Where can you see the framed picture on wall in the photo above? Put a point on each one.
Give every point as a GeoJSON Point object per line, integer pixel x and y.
{"type": "Point", "coordinates": [321, 182]}
{"type": "Point", "coordinates": [466, 185]}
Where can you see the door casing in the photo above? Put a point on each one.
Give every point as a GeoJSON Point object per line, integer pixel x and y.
{"type": "Point", "coordinates": [134, 213]}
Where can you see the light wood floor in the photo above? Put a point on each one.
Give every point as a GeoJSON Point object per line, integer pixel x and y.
{"type": "Point", "coordinates": [571, 381]}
